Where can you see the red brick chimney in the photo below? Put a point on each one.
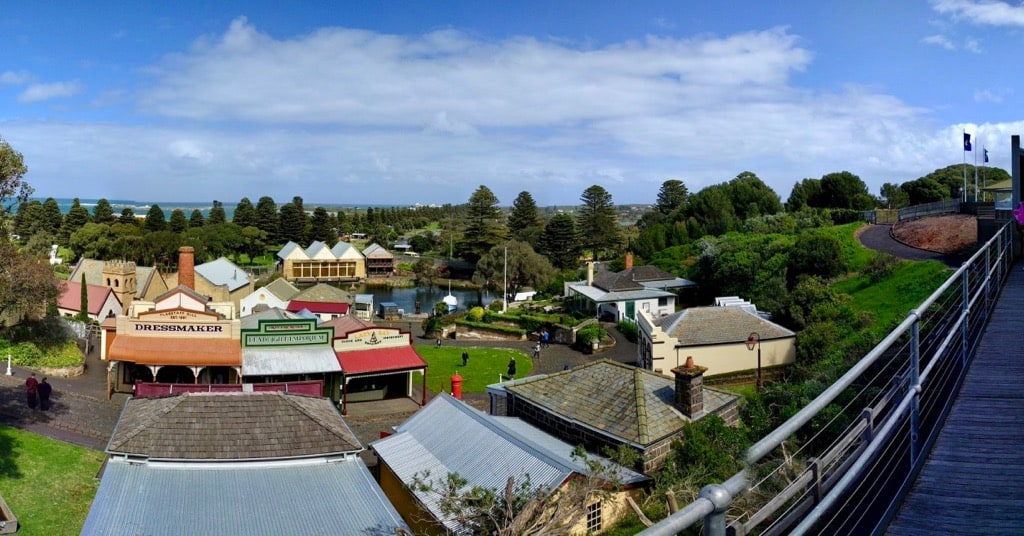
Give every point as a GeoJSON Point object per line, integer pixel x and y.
{"type": "Point", "coordinates": [629, 260]}
{"type": "Point", "coordinates": [187, 267]}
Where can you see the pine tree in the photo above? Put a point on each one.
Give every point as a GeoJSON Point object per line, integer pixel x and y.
{"type": "Point", "coordinates": [76, 217]}
{"type": "Point", "coordinates": [267, 219]}
{"type": "Point", "coordinates": [178, 222]}
{"type": "Point", "coordinates": [484, 227]}
{"type": "Point", "coordinates": [245, 214]}
{"type": "Point", "coordinates": [155, 220]}
{"type": "Point", "coordinates": [598, 222]}
{"type": "Point", "coordinates": [217, 214]}
{"type": "Point", "coordinates": [103, 212]}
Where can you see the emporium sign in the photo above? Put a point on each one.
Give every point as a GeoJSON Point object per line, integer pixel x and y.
{"type": "Point", "coordinates": [372, 338]}
{"type": "Point", "coordinates": [282, 333]}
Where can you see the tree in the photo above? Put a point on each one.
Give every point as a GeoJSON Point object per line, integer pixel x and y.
{"type": "Point", "coordinates": [561, 242]}
{"type": "Point", "coordinates": [178, 222]}
{"type": "Point", "coordinates": [103, 212]}
{"type": "Point", "coordinates": [426, 272]}
{"type": "Point", "coordinates": [254, 242]}
{"type": "Point", "coordinates": [320, 227]}
{"type": "Point", "coordinates": [803, 192]}
{"type": "Point", "coordinates": [217, 214]}
{"type": "Point", "coordinates": [300, 206]}
{"type": "Point", "coordinates": [484, 226]}
{"type": "Point", "coordinates": [843, 190]}
{"type": "Point", "coordinates": [521, 508]}
{"type": "Point", "coordinates": [597, 221]}
{"type": "Point", "coordinates": [13, 189]}
{"type": "Point", "coordinates": [524, 222]}
{"type": "Point", "coordinates": [711, 212]}
{"type": "Point", "coordinates": [672, 197]}
{"type": "Point", "coordinates": [520, 267]}
{"type": "Point", "coordinates": [76, 217]}
{"type": "Point", "coordinates": [266, 218]}
{"type": "Point", "coordinates": [83, 311]}
{"type": "Point", "coordinates": [52, 217]}
{"type": "Point", "coordinates": [924, 190]}
{"type": "Point", "coordinates": [155, 219]}
{"type": "Point", "coordinates": [196, 219]}
{"type": "Point", "coordinates": [245, 214]}
{"type": "Point", "coordinates": [816, 253]}
{"type": "Point", "coordinates": [293, 225]}
{"type": "Point", "coordinates": [751, 197]}
{"type": "Point", "coordinates": [93, 240]}
{"type": "Point", "coordinates": [29, 219]}
{"type": "Point", "coordinates": [27, 285]}
{"type": "Point", "coordinates": [127, 217]}
{"type": "Point", "coordinates": [894, 196]}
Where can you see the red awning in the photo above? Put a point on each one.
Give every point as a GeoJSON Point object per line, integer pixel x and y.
{"type": "Point", "coordinates": [380, 360]}
{"type": "Point", "coordinates": [318, 307]}
{"type": "Point", "coordinates": [174, 351]}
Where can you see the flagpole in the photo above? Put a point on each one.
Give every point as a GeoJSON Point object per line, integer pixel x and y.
{"type": "Point", "coordinates": [964, 196]}
{"type": "Point", "coordinates": [975, 176]}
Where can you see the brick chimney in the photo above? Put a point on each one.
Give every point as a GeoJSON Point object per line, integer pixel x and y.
{"type": "Point", "coordinates": [187, 267]}
{"type": "Point", "coordinates": [690, 388]}
{"type": "Point", "coordinates": [629, 260]}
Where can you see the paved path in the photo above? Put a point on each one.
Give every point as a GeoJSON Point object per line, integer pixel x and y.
{"type": "Point", "coordinates": [879, 237]}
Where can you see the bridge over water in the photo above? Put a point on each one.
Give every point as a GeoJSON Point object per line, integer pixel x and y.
{"type": "Point", "coordinates": [924, 435]}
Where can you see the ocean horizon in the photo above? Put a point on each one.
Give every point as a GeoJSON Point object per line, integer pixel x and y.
{"type": "Point", "coordinates": [140, 208]}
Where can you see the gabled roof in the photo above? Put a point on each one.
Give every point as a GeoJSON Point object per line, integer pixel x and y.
{"type": "Point", "coordinates": [702, 326]}
{"type": "Point", "coordinates": [93, 270]}
{"type": "Point", "coordinates": [448, 436]}
{"type": "Point", "coordinates": [231, 426]}
{"type": "Point", "coordinates": [322, 292]}
{"type": "Point", "coordinates": [289, 250]}
{"type": "Point", "coordinates": [282, 288]}
{"type": "Point", "coordinates": [599, 295]}
{"type": "Point", "coordinates": [615, 281]}
{"type": "Point", "coordinates": [318, 250]}
{"type": "Point", "coordinates": [342, 249]}
{"type": "Point", "coordinates": [627, 403]}
{"type": "Point", "coordinates": [346, 324]}
{"type": "Point", "coordinates": [181, 289]}
{"type": "Point", "coordinates": [71, 296]}
{"type": "Point", "coordinates": [393, 359]}
{"type": "Point", "coordinates": [223, 272]}
{"type": "Point", "coordinates": [253, 321]}
{"type": "Point", "coordinates": [315, 498]}
{"type": "Point", "coordinates": [376, 251]}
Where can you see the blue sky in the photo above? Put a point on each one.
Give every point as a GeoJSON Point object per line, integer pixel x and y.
{"type": "Point", "coordinates": [422, 102]}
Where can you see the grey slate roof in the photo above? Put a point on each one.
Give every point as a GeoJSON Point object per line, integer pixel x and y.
{"type": "Point", "coordinates": [282, 288]}
{"type": "Point", "coordinates": [624, 402]}
{"type": "Point", "coordinates": [231, 426]}
{"type": "Point", "coordinates": [223, 272]}
{"type": "Point", "coordinates": [323, 293]}
{"type": "Point", "coordinates": [702, 326]}
{"type": "Point", "coordinates": [376, 251]}
{"type": "Point", "coordinates": [448, 436]}
{"type": "Point", "coordinates": [310, 498]}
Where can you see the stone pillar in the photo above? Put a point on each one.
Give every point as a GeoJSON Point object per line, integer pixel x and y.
{"type": "Point", "coordinates": [690, 388]}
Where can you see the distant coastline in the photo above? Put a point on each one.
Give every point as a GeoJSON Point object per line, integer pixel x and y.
{"type": "Point", "coordinates": [140, 208]}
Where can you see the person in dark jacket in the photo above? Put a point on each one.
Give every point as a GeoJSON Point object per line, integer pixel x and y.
{"type": "Point", "coordinates": [512, 369]}
{"type": "Point", "coordinates": [44, 394]}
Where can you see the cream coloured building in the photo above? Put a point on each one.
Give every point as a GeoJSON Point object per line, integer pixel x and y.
{"type": "Point", "coordinates": [319, 263]}
{"type": "Point", "coordinates": [716, 337]}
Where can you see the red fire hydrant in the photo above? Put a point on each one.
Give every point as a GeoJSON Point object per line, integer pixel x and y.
{"type": "Point", "coordinates": [457, 386]}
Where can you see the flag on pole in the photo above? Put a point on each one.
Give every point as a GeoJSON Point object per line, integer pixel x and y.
{"type": "Point", "coordinates": [986, 154]}
{"type": "Point", "coordinates": [967, 141]}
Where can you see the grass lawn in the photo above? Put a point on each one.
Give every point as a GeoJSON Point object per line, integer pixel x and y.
{"type": "Point", "coordinates": [48, 484]}
{"type": "Point", "coordinates": [485, 365]}
{"type": "Point", "coordinates": [892, 299]}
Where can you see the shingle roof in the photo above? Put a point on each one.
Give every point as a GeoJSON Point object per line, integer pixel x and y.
{"type": "Point", "coordinates": [282, 288]}
{"type": "Point", "coordinates": [323, 293]}
{"type": "Point", "coordinates": [310, 498]}
{"type": "Point", "coordinates": [223, 272]}
{"type": "Point", "coordinates": [625, 402]}
{"type": "Point", "coordinates": [231, 426]}
{"type": "Point", "coordinates": [448, 436]}
{"type": "Point", "coordinates": [702, 326]}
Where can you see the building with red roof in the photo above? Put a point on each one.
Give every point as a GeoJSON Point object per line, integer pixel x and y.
{"type": "Point", "coordinates": [100, 300]}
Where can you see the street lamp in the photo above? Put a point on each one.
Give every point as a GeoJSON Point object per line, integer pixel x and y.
{"type": "Point", "coordinates": [755, 340]}
{"type": "Point", "coordinates": [9, 373]}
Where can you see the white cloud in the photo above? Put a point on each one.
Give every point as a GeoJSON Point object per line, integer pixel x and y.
{"type": "Point", "coordinates": [939, 40]}
{"type": "Point", "coordinates": [984, 12]}
{"type": "Point", "coordinates": [55, 90]}
{"type": "Point", "coordinates": [11, 78]}
{"type": "Point", "coordinates": [995, 96]}
{"type": "Point", "coordinates": [972, 45]}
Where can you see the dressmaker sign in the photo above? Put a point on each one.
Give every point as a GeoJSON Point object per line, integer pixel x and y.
{"type": "Point", "coordinates": [372, 338]}
{"type": "Point", "coordinates": [281, 333]}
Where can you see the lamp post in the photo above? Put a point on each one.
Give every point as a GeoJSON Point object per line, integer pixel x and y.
{"type": "Point", "coordinates": [9, 373]}
{"type": "Point", "coordinates": [755, 340]}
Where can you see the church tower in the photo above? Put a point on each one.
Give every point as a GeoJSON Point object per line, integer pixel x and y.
{"type": "Point", "coordinates": [120, 277]}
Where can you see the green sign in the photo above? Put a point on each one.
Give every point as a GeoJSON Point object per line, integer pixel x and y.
{"type": "Point", "coordinates": [283, 333]}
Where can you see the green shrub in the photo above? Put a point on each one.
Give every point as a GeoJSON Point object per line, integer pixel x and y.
{"type": "Point", "coordinates": [629, 330]}
{"type": "Point", "coordinates": [476, 314]}
{"type": "Point", "coordinates": [496, 305]}
{"type": "Point", "coordinates": [491, 327]}
{"type": "Point", "coordinates": [57, 355]}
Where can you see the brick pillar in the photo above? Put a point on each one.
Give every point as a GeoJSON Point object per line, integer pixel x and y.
{"type": "Point", "coordinates": [629, 260]}
{"type": "Point", "coordinates": [690, 388]}
{"type": "Point", "coordinates": [187, 267]}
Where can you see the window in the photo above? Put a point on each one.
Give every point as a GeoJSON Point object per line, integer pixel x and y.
{"type": "Point", "coordinates": [594, 518]}
{"type": "Point", "coordinates": [662, 302]}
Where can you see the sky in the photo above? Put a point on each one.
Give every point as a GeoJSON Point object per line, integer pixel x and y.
{"type": "Point", "coordinates": [396, 103]}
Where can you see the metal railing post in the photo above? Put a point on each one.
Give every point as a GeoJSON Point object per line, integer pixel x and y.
{"type": "Point", "coordinates": [915, 387]}
{"type": "Point", "coordinates": [966, 314]}
{"type": "Point", "coordinates": [714, 522]}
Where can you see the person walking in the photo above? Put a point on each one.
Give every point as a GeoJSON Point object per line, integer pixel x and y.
{"type": "Point", "coordinates": [44, 390]}
{"type": "Point", "coordinates": [512, 369]}
{"type": "Point", "coordinates": [465, 358]}
{"type": "Point", "coordinates": [32, 390]}
{"type": "Point", "coordinates": [536, 351]}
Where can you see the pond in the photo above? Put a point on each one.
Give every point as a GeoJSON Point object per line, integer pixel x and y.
{"type": "Point", "coordinates": [406, 298]}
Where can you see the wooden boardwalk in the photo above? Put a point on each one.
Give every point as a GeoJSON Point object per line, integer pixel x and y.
{"type": "Point", "coordinates": [973, 480]}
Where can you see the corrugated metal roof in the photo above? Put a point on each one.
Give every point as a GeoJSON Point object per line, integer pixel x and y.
{"type": "Point", "coordinates": [290, 360]}
{"type": "Point", "coordinates": [71, 296]}
{"type": "Point", "coordinates": [447, 436]}
{"type": "Point", "coordinates": [597, 295]}
{"type": "Point", "coordinates": [701, 326]}
{"type": "Point", "coordinates": [377, 251]}
{"type": "Point", "coordinates": [288, 249]}
{"type": "Point", "coordinates": [341, 248]}
{"type": "Point", "coordinates": [223, 272]}
{"type": "Point", "coordinates": [380, 360]}
{"type": "Point", "coordinates": [312, 498]}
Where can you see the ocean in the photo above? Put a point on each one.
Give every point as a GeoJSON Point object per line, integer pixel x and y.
{"type": "Point", "coordinates": [140, 208]}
